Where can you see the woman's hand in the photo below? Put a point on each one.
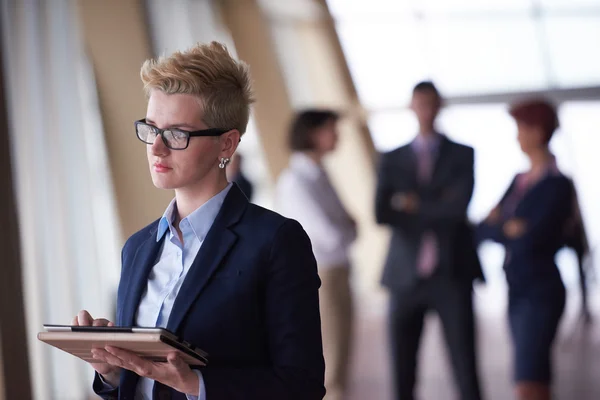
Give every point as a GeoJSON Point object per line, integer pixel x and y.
{"type": "Point", "coordinates": [174, 373]}
{"type": "Point", "coordinates": [110, 373]}
{"type": "Point", "coordinates": [408, 202]}
{"type": "Point", "coordinates": [514, 228]}
{"type": "Point", "coordinates": [494, 216]}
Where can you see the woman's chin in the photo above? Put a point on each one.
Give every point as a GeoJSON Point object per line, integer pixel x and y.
{"type": "Point", "coordinates": [165, 184]}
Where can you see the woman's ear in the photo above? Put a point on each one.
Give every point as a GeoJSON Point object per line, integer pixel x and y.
{"type": "Point", "coordinates": [229, 142]}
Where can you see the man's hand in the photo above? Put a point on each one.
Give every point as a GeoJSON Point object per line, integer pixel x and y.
{"type": "Point", "coordinates": [408, 202]}
{"type": "Point", "coordinates": [110, 373]}
{"type": "Point", "coordinates": [514, 228]}
{"type": "Point", "coordinates": [174, 373]}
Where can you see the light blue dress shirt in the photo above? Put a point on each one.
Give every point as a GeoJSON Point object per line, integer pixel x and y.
{"type": "Point", "coordinates": [170, 270]}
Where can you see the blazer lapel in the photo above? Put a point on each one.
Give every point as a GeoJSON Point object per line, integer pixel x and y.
{"type": "Point", "coordinates": [409, 160]}
{"type": "Point", "coordinates": [443, 155]}
{"type": "Point", "coordinates": [216, 246]}
{"type": "Point", "coordinates": [142, 264]}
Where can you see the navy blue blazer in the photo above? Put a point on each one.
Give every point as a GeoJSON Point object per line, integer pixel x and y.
{"type": "Point", "coordinates": [546, 208]}
{"type": "Point", "coordinates": [250, 300]}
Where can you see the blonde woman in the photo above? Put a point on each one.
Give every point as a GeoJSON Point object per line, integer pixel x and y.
{"type": "Point", "coordinates": [227, 276]}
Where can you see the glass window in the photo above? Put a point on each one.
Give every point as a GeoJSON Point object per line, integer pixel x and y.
{"type": "Point", "coordinates": [468, 47]}
{"type": "Point", "coordinates": [568, 4]}
{"type": "Point", "coordinates": [385, 60]}
{"type": "Point", "coordinates": [580, 123]}
{"type": "Point", "coordinates": [472, 5]}
{"type": "Point", "coordinates": [492, 133]}
{"type": "Point", "coordinates": [342, 9]}
{"type": "Point", "coordinates": [473, 47]}
{"type": "Point", "coordinates": [392, 129]}
{"type": "Point", "coordinates": [485, 55]}
{"type": "Point", "coordinates": [573, 49]}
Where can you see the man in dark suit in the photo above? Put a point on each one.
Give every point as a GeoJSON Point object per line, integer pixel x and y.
{"type": "Point", "coordinates": [423, 192]}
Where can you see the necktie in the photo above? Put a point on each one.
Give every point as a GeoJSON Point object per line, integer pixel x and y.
{"type": "Point", "coordinates": [425, 164]}
{"type": "Point", "coordinates": [427, 257]}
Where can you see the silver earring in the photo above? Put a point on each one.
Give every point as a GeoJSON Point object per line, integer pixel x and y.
{"type": "Point", "coordinates": [224, 162]}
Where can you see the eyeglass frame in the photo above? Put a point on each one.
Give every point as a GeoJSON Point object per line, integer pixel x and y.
{"type": "Point", "coordinates": [210, 132]}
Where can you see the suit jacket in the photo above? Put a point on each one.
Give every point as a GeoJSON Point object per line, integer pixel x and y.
{"type": "Point", "coordinates": [245, 185]}
{"type": "Point", "coordinates": [442, 210]}
{"type": "Point", "coordinates": [545, 208]}
{"type": "Point", "coordinates": [250, 300]}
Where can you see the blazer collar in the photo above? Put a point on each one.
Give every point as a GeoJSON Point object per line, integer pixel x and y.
{"type": "Point", "coordinates": [218, 242]}
{"type": "Point", "coordinates": [441, 156]}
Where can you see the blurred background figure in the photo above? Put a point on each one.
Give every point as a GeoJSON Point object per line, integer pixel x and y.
{"type": "Point", "coordinates": [235, 173]}
{"type": "Point", "coordinates": [531, 221]}
{"type": "Point", "coordinates": [423, 191]}
{"type": "Point", "coordinates": [305, 193]}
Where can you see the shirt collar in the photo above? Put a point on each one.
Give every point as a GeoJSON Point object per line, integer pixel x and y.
{"type": "Point", "coordinates": [305, 165]}
{"type": "Point", "coordinates": [427, 142]}
{"type": "Point", "coordinates": [200, 219]}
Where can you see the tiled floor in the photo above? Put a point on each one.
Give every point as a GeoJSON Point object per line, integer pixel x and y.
{"type": "Point", "coordinates": [577, 356]}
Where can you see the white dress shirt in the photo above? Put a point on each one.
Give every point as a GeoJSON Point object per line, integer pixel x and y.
{"type": "Point", "coordinates": [304, 193]}
{"type": "Point", "coordinates": [170, 270]}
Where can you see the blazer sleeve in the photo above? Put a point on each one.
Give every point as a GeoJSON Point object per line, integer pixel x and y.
{"type": "Point", "coordinates": [449, 207]}
{"type": "Point", "coordinates": [387, 181]}
{"type": "Point", "coordinates": [291, 307]}
{"type": "Point", "coordinates": [547, 220]}
{"type": "Point", "coordinates": [104, 390]}
{"type": "Point", "coordinates": [493, 231]}
{"type": "Point", "coordinates": [543, 222]}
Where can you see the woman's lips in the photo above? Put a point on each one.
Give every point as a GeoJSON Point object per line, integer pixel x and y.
{"type": "Point", "coordinates": [158, 167]}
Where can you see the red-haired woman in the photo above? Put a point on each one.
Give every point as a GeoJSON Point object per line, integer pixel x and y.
{"type": "Point", "coordinates": [530, 222]}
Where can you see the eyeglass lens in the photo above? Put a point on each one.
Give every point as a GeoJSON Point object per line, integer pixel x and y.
{"type": "Point", "coordinates": [175, 139]}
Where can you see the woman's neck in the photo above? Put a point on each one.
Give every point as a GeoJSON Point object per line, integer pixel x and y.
{"type": "Point", "coordinates": [316, 156]}
{"type": "Point", "coordinates": [190, 199]}
{"type": "Point", "coordinates": [539, 160]}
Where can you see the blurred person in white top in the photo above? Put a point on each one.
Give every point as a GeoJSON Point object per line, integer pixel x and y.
{"type": "Point", "coordinates": [305, 193]}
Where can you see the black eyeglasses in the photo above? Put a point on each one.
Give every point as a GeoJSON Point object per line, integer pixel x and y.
{"type": "Point", "coordinates": [174, 139]}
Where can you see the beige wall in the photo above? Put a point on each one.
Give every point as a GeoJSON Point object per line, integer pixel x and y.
{"type": "Point", "coordinates": [117, 40]}
{"type": "Point", "coordinates": [272, 111]}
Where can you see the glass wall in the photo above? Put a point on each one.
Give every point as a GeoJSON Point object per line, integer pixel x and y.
{"type": "Point", "coordinates": [482, 55]}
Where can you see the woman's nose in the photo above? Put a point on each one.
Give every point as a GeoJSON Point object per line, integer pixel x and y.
{"type": "Point", "coordinates": [159, 147]}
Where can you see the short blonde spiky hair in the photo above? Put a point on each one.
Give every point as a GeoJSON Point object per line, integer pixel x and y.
{"type": "Point", "coordinates": [207, 71]}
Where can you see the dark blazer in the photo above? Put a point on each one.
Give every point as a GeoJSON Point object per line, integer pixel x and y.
{"type": "Point", "coordinates": [250, 300]}
{"type": "Point", "coordinates": [546, 209]}
{"type": "Point", "coordinates": [245, 185]}
{"type": "Point", "coordinates": [442, 210]}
